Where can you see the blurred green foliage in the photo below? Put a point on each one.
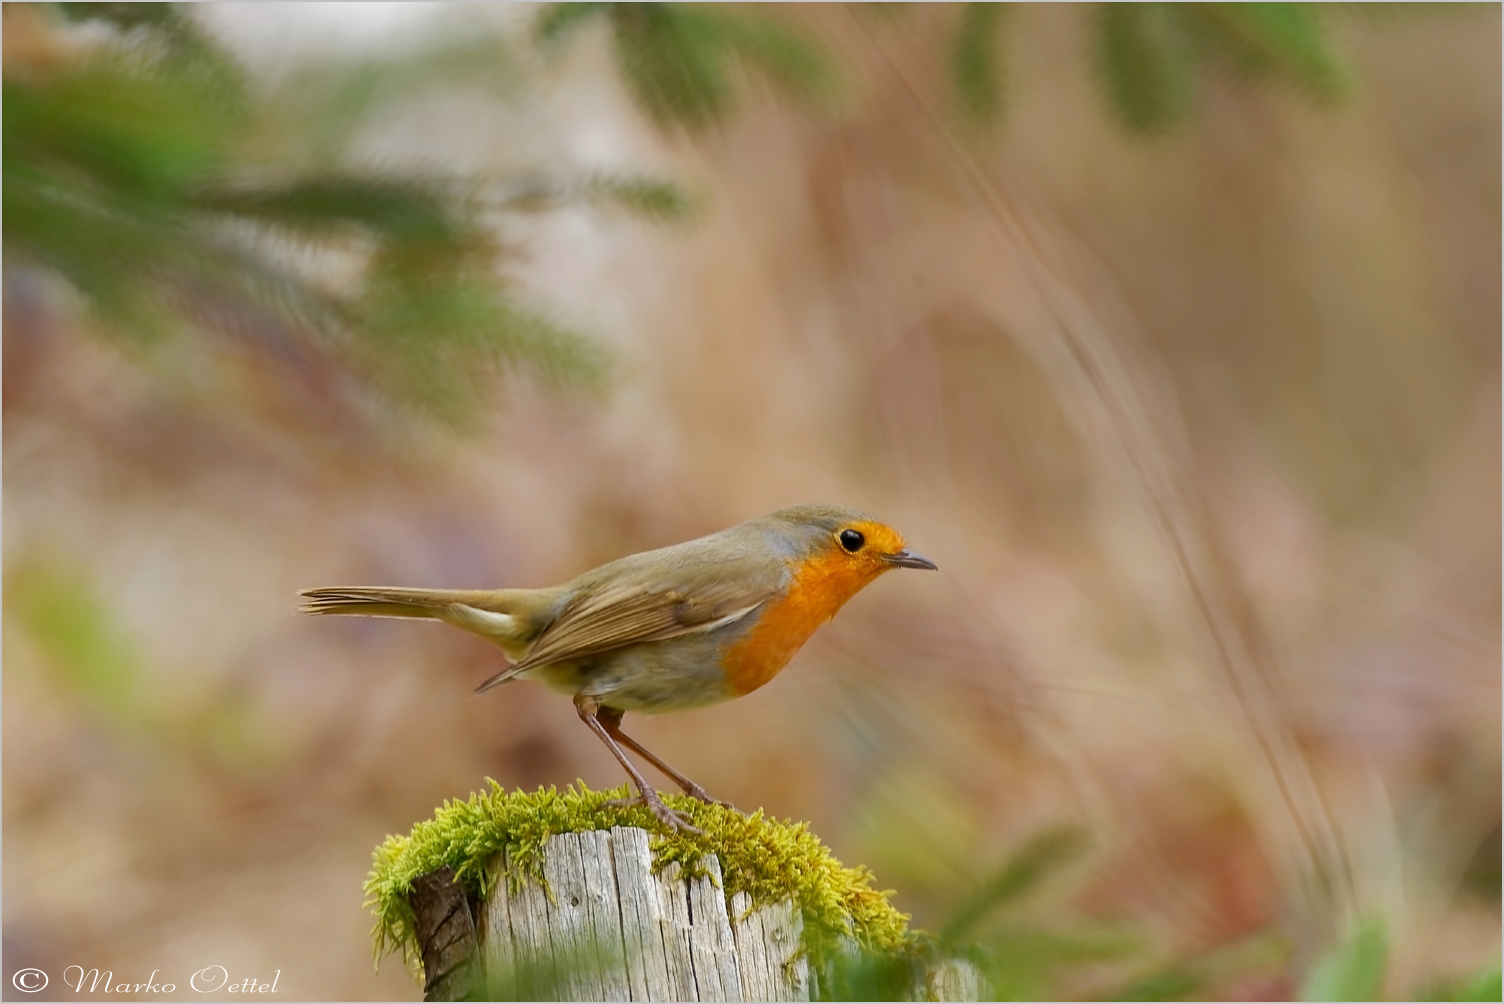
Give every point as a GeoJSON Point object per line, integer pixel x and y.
{"type": "Point", "coordinates": [76, 632]}
{"type": "Point", "coordinates": [1021, 873]}
{"type": "Point", "coordinates": [1015, 956]}
{"type": "Point", "coordinates": [77, 629]}
{"type": "Point", "coordinates": [976, 62]}
{"type": "Point", "coordinates": [655, 200]}
{"type": "Point", "coordinates": [554, 975]}
{"type": "Point", "coordinates": [1486, 984]}
{"type": "Point", "coordinates": [127, 174]}
{"type": "Point", "coordinates": [1354, 970]}
{"type": "Point", "coordinates": [677, 60]}
{"type": "Point", "coordinates": [145, 172]}
{"type": "Point", "coordinates": [1148, 54]}
{"type": "Point", "coordinates": [1143, 64]}
{"type": "Point", "coordinates": [1020, 958]}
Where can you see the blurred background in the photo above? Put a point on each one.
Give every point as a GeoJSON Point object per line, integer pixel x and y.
{"type": "Point", "coordinates": [1171, 332]}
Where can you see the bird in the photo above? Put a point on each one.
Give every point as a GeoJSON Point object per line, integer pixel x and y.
{"type": "Point", "coordinates": [672, 629]}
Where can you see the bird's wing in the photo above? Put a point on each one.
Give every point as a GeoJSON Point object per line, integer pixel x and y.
{"type": "Point", "coordinates": [660, 603]}
{"type": "Point", "coordinates": [633, 613]}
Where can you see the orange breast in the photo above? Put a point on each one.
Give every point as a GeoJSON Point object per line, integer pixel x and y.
{"type": "Point", "coordinates": [819, 589]}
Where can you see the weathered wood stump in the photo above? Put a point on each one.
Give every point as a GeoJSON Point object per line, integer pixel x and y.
{"type": "Point", "coordinates": [607, 928]}
{"type": "Point", "coordinates": [612, 930]}
{"type": "Point", "coordinates": [565, 896]}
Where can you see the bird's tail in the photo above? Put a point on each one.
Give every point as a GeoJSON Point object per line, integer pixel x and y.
{"type": "Point", "coordinates": [390, 601]}
{"type": "Point", "coordinates": [511, 618]}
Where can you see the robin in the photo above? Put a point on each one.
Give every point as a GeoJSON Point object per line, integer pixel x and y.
{"type": "Point", "coordinates": [667, 630]}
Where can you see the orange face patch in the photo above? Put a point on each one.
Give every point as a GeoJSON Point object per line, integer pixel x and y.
{"type": "Point", "coordinates": [821, 586]}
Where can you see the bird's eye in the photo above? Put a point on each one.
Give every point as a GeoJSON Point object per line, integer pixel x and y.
{"type": "Point", "coordinates": [852, 540]}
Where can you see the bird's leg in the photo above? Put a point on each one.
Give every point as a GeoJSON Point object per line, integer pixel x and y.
{"type": "Point", "coordinates": [591, 712]}
{"type": "Point", "coordinates": [611, 719]}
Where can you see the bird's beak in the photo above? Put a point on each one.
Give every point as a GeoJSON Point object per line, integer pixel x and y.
{"type": "Point", "coordinates": [908, 559]}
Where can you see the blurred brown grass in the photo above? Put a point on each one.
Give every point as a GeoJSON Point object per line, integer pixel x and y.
{"type": "Point", "coordinates": [1203, 432]}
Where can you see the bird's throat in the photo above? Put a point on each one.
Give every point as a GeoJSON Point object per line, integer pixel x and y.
{"type": "Point", "coordinates": [819, 589]}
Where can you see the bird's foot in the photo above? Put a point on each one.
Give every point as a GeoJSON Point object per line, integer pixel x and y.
{"type": "Point", "coordinates": [695, 791]}
{"type": "Point", "coordinates": [668, 817]}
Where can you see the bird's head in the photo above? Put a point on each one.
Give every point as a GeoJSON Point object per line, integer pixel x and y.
{"type": "Point", "coordinates": [845, 543]}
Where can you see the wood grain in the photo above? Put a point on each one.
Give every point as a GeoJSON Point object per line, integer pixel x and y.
{"type": "Point", "coordinates": [604, 927]}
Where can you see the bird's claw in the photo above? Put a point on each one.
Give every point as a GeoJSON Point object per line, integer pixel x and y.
{"type": "Point", "coordinates": [668, 817]}
{"type": "Point", "coordinates": [696, 792]}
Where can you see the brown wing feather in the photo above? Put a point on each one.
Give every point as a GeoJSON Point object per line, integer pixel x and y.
{"type": "Point", "coordinates": [615, 620]}
{"type": "Point", "coordinates": [653, 596]}
{"type": "Point", "coordinates": [621, 617]}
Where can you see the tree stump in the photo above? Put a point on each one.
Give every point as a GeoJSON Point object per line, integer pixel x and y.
{"type": "Point", "coordinates": [607, 928]}
{"type": "Point", "coordinates": [564, 895]}
{"type": "Point", "coordinates": [445, 928]}
{"type": "Point", "coordinates": [612, 930]}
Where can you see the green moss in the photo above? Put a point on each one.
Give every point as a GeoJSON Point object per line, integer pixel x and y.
{"type": "Point", "coordinates": [768, 859]}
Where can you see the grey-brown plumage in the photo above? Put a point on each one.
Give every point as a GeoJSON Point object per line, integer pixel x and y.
{"type": "Point", "coordinates": [678, 627]}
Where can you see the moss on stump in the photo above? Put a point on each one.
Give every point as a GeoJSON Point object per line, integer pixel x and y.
{"type": "Point", "coordinates": [769, 859]}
